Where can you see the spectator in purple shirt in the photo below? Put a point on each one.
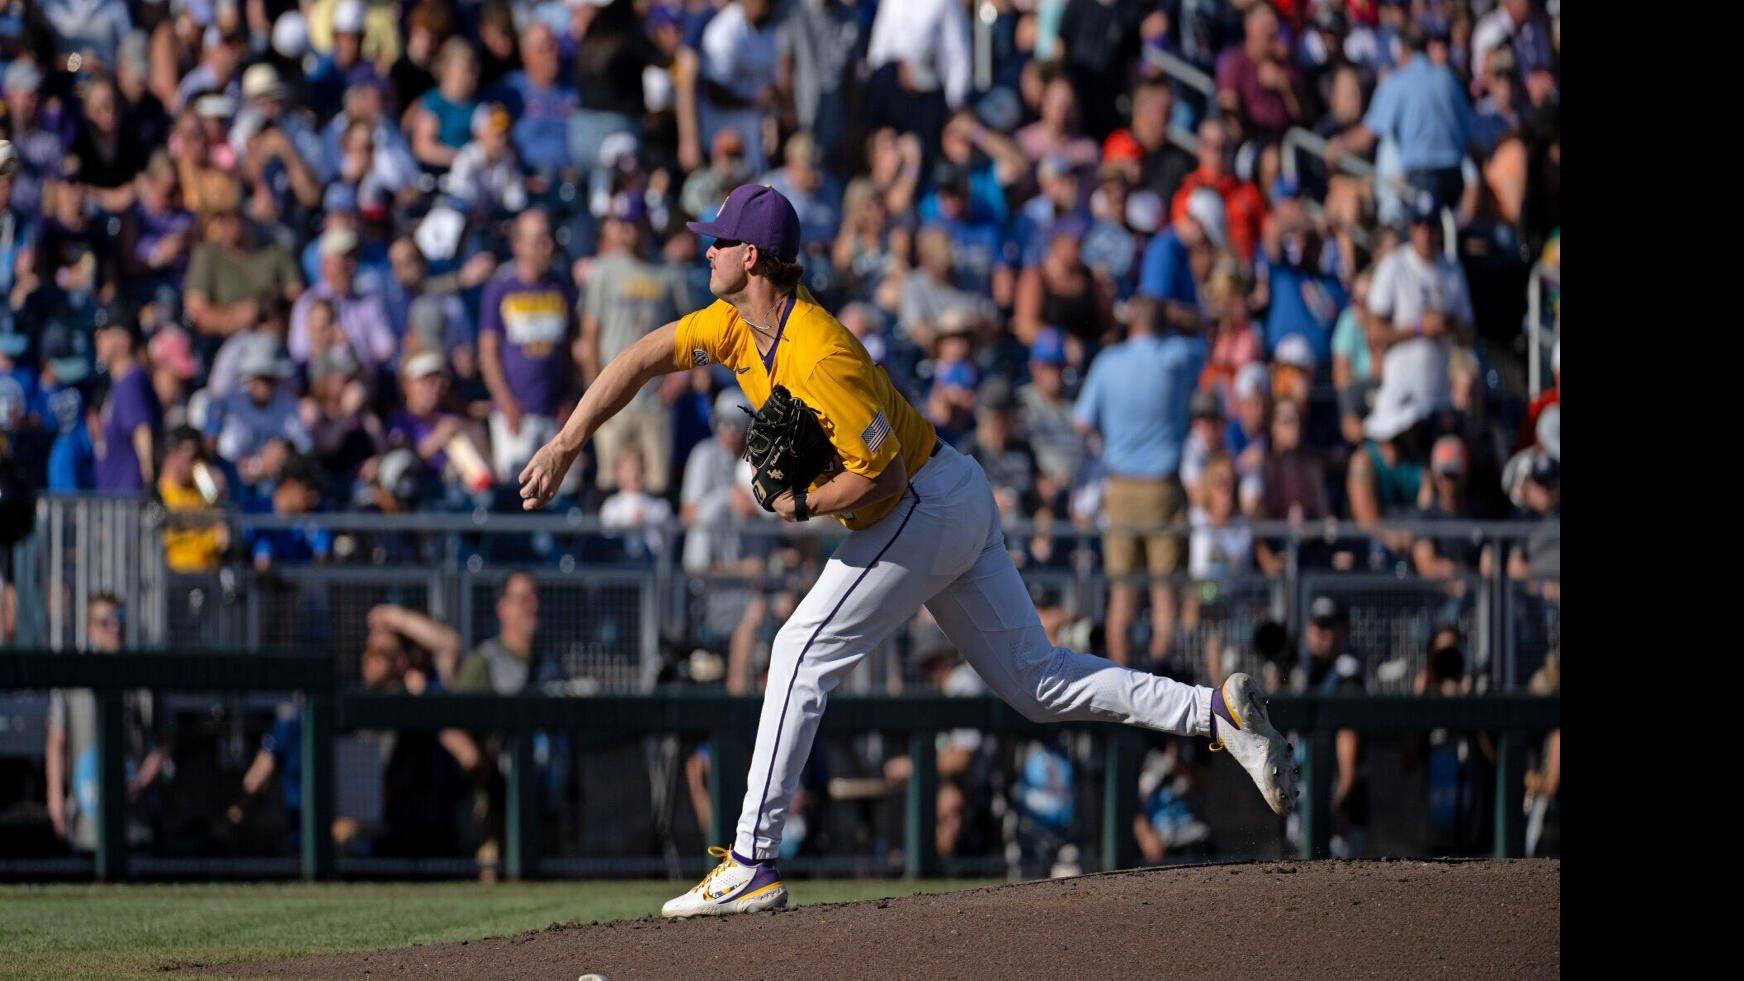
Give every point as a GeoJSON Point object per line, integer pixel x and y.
{"type": "Point", "coordinates": [130, 417]}
{"type": "Point", "coordinates": [426, 427]}
{"type": "Point", "coordinates": [157, 233]}
{"type": "Point", "coordinates": [1256, 81]}
{"type": "Point", "coordinates": [526, 346]}
{"type": "Point", "coordinates": [363, 319]}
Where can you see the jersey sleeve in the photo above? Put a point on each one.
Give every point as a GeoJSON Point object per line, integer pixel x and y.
{"type": "Point", "coordinates": [849, 395]}
{"type": "Point", "coordinates": [701, 339]}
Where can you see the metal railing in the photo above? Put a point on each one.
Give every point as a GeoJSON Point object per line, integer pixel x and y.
{"type": "Point", "coordinates": [328, 710]}
{"type": "Point", "coordinates": [1538, 338]}
{"type": "Point", "coordinates": [607, 615]}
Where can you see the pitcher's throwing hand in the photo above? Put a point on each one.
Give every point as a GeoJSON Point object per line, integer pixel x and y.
{"type": "Point", "coordinates": [542, 475]}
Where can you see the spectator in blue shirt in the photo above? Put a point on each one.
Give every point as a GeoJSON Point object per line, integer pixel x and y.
{"type": "Point", "coordinates": [1300, 297]}
{"type": "Point", "coordinates": [1422, 109]}
{"type": "Point", "coordinates": [1136, 399]}
{"type": "Point", "coordinates": [298, 491]}
{"type": "Point", "coordinates": [975, 232]}
{"type": "Point", "coordinates": [816, 196]}
{"type": "Point", "coordinates": [540, 103]}
{"type": "Point", "coordinates": [1166, 276]}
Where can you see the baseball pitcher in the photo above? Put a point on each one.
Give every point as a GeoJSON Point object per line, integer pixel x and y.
{"type": "Point", "coordinates": [833, 437]}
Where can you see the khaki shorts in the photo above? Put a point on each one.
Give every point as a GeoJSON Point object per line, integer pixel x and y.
{"type": "Point", "coordinates": [648, 429]}
{"type": "Point", "coordinates": [1132, 501]}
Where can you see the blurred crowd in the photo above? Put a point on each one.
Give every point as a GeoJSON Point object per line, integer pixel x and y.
{"type": "Point", "coordinates": [372, 251]}
{"type": "Point", "coordinates": [1190, 263]}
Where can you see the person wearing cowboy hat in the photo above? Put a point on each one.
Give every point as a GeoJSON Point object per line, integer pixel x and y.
{"type": "Point", "coordinates": [267, 105]}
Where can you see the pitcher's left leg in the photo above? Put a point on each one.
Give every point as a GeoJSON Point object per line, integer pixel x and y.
{"type": "Point", "coordinates": [988, 615]}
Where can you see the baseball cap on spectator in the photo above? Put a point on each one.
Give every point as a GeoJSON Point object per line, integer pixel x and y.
{"type": "Point", "coordinates": [1205, 405]}
{"type": "Point", "coordinates": [170, 348]}
{"type": "Point", "coordinates": [1397, 409]}
{"type": "Point", "coordinates": [728, 409]}
{"type": "Point", "coordinates": [290, 35]}
{"type": "Point", "coordinates": [115, 316]}
{"type": "Point", "coordinates": [1055, 165]}
{"type": "Point", "coordinates": [995, 396]}
{"type": "Point", "coordinates": [1000, 109]}
{"type": "Point", "coordinates": [348, 17]}
{"type": "Point", "coordinates": [957, 374]}
{"type": "Point", "coordinates": [1324, 612]}
{"type": "Point", "coordinates": [1423, 210]}
{"type": "Point", "coordinates": [261, 81]}
{"type": "Point", "coordinates": [336, 360]}
{"type": "Point", "coordinates": [949, 175]}
{"type": "Point", "coordinates": [337, 241]}
{"type": "Point", "coordinates": [1251, 381]}
{"type": "Point", "coordinates": [263, 359]}
{"type": "Point", "coordinates": [663, 15]}
{"type": "Point", "coordinates": [422, 365]}
{"type": "Point", "coordinates": [1448, 456]}
{"type": "Point", "coordinates": [1550, 431]}
{"type": "Point", "coordinates": [1071, 226]}
{"type": "Point", "coordinates": [1206, 207]}
{"type": "Point", "coordinates": [399, 473]}
{"type": "Point", "coordinates": [66, 348]}
{"type": "Point", "coordinates": [953, 322]}
{"type": "Point", "coordinates": [13, 342]}
{"type": "Point", "coordinates": [1120, 147]}
{"type": "Point", "coordinates": [12, 402]}
{"type": "Point", "coordinates": [1144, 210]}
{"type": "Point", "coordinates": [627, 206]}
{"type": "Point", "coordinates": [618, 152]}
{"type": "Point", "coordinates": [215, 105]}
{"type": "Point", "coordinates": [1543, 469]}
{"type": "Point", "coordinates": [1501, 60]}
{"type": "Point", "coordinates": [1049, 346]}
{"type": "Point", "coordinates": [203, 11]}
{"type": "Point", "coordinates": [339, 197]}
{"type": "Point", "coordinates": [1295, 351]}
{"type": "Point", "coordinates": [755, 214]}
{"type": "Point", "coordinates": [22, 76]}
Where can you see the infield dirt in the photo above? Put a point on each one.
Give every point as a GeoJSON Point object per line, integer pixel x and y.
{"type": "Point", "coordinates": [1382, 919]}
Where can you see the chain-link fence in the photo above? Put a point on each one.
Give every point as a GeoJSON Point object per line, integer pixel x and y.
{"type": "Point", "coordinates": [615, 615]}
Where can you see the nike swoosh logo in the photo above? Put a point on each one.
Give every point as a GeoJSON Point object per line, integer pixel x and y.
{"type": "Point", "coordinates": [742, 370]}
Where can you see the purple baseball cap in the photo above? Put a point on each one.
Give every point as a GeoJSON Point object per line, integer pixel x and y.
{"type": "Point", "coordinates": [758, 215]}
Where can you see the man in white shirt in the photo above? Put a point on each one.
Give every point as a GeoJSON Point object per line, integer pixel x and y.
{"type": "Point", "coordinates": [1420, 304]}
{"type": "Point", "coordinates": [705, 497]}
{"type": "Point", "coordinates": [737, 67]}
{"type": "Point", "coordinates": [920, 57]}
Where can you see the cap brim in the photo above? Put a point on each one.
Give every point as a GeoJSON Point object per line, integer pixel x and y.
{"type": "Point", "coordinates": [70, 370]}
{"type": "Point", "coordinates": [707, 228]}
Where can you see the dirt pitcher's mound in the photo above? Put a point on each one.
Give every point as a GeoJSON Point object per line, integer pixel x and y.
{"type": "Point", "coordinates": [1391, 919]}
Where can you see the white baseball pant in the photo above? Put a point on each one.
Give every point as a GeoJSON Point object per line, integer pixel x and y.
{"type": "Point", "coordinates": [942, 546]}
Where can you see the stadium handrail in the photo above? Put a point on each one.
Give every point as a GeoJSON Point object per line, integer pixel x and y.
{"type": "Point", "coordinates": [728, 721]}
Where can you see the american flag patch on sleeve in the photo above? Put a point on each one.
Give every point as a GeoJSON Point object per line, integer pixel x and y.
{"type": "Point", "coordinates": [876, 432]}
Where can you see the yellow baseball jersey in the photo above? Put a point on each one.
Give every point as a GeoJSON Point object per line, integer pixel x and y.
{"type": "Point", "coordinates": [823, 365]}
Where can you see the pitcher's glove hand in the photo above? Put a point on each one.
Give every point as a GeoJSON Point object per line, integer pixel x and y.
{"type": "Point", "coordinates": [787, 445]}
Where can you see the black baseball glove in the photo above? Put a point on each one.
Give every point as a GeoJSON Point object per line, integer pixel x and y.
{"type": "Point", "coordinates": [787, 445]}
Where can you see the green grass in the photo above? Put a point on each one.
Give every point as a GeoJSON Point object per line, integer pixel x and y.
{"type": "Point", "coordinates": [64, 931]}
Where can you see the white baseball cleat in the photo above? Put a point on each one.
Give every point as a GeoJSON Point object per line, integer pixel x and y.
{"type": "Point", "coordinates": [733, 887]}
{"type": "Point", "coordinates": [1258, 747]}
